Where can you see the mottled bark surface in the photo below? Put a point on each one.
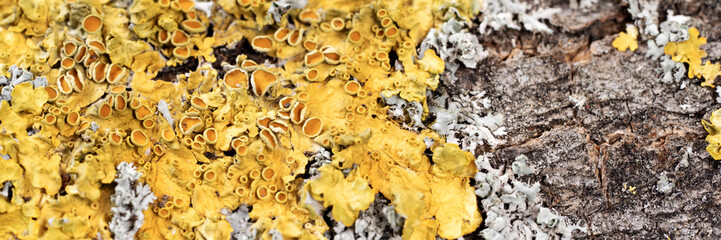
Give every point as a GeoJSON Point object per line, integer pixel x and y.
{"type": "Point", "coordinates": [630, 129]}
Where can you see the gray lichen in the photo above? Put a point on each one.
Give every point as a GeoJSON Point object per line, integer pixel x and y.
{"type": "Point", "coordinates": [6, 189]}
{"type": "Point", "coordinates": [671, 70]}
{"type": "Point", "coordinates": [688, 153]}
{"type": "Point", "coordinates": [409, 114]}
{"type": "Point", "coordinates": [520, 167]}
{"type": "Point", "coordinates": [466, 120]}
{"type": "Point", "coordinates": [645, 15]}
{"type": "Point", "coordinates": [205, 7]}
{"type": "Point", "coordinates": [514, 210]}
{"type": "Point", "coordinates": [513, 14]}
{"type": "Point", "coordinates": [279, 8]}
{"type": "Point", "coordinates": [584, 5]}
{"type": "Point", "coordinates": [672, 30]}
{"type": "Point", "coordinates": [454, 44]}
{"type": "Point", "coordinates": [664, 184]}
{"type": "Point", "coordinates": [165, 112]}
{"type": "Point", "coordinates": [578, 100]}
{"type": "Point", "coordinates": [129, 200]}
{"type": "Point", "coordinates": [275, 234]}
{"type": "Point", "coordinates": [18, 76]}
{"type": "Point", "coordinates": [320, 158]}
{"type": "Point", "coordinates": [379, 221]}
{"type": "Point", "coordinates": [240, 222]}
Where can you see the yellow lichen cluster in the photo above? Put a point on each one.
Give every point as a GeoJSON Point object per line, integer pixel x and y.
{"type": "Point", "coordinates": [173, 27]}
{"type": "Point", "coordinates": [627, 40]}
{"type": "Point", "coordinates": [714, 134]}
{"type": "Point", "coordinates": [234, 135]}
{"type": "Point", "coordinates": [689, 52]}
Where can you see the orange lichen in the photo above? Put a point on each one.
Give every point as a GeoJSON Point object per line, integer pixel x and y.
{"type": "Point", "coordinates": [148, 123]}
{"type": "Point", "coordinates": [236, 79]}
{"type": "Point", "coordinates": [352, 87]}
{"type": "Point", "coordinates": [91, 57]}
{"type": "Point", "coordinates": [286, 103]}
{"type": "Point", "coordinates": [354, 36]}
{"type": "Point", "coordinates": [96, 45]}
{"type": "Point", "coordinates": [263, 192]}
{"type": "Point", "coordinates": [98, 71]}
{"type": "Point", "coordinates": [310, 45]}
{"type": "Point", "coordinates": [181, 52]}
{"type": "Point", "coordinates": [143, 112]}
{"type": "Point", "coordinates": [337, 24]}
{"type": "Point", "coordinates": [67, 63]}
{"type": "Point", "coordinates": [391, 32]}
{"type": "Point", "coordinates": [687, 51]}
{"type": "Point", "coordinates": [312, 127]}
{"type": "Point", "coordinates": [278, 126]}
{"type": "Point", "coordinates": [138, 138]}
{"type": "Point", "coordinates": [198, 103]}
{"type": "Point", "coordinates": [188, 125]}
{"type": "Point", "coordinates": [267, 173]}
{"type": "Point", "coordinates": [331, 56]}
{"type": "Point", "coordinates": [248, 65]}
{"type": "Point", "coordinates": [52, 93]}
{"type": "Point", "coordinates": [210, 135]}
{"type": "Point", "coordinates": [309, 16]}
{"type": "Point", "coordinates": [105, 110]}
{"type": "Point", "coordinates": [179, 38]}
{"type": "Point", "coordinates": [281, 197]}
{"type": "Point", "coordinates": [73, 118]}
{"type": "Point", "coordinates": [64, 84]}
{"type": "Point", "coordinates": [709, 72]}
{"type": "Point", "coordinates": [269, 138]}
{"type": "Point", "coordinates": [281, 34]}
{"type": "Point", "coordinates": [295, 37]}
{"type": "Point", "coordinates": [163, 36]}
{"type": "Point", "coordinates": [92, 23]}
{"type": "Point", "coordinates": [69, 48]}
{"type": "Point", "coordinates": [297, 114]}
{"type": "Point", "coordinates": [261, 80]}
{"type": "Point", "coordinates": [114, 73]}
{"type": "Point", "coordinates": [313, 58]}
{"type": "Point", "coordinates": [193, 26]}
{"type": "Point", "coordinates": [690, 52]}
{"type": "Point", "coordinates": [262, 43]}
{"type": "Point", "coordinates": [168, 135]}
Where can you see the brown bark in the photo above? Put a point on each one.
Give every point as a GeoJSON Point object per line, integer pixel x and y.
{"type": "Point", "coordinates": [630, 130]}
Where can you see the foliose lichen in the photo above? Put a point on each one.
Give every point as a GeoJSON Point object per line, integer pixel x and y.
{"type": "Point", "coordinates": [130, 199]}
{"type": "Point", "coordinates": [513, 208]}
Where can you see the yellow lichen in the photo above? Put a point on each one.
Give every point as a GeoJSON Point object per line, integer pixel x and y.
{"type": "Point", "coordinates": [687, 51]}
{"type": "Point", "coordinates": [103, 107]}
{"type": "Point", "coordinates": [709, 72]}
{"type": "Point", "coordinates": [26, 98]}
{"type": "Point", "coordinates": [714, 134]}
{"type": "Point", "coordinates": [450, 160]}
{"type": "Point", "coordinates": [627, 40]}
{"type": "Point", "coordinates": [348, 195]}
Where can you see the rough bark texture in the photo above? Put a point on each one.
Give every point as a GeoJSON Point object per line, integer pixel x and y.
{"type": "Point", "coordinates": [630, 130]}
